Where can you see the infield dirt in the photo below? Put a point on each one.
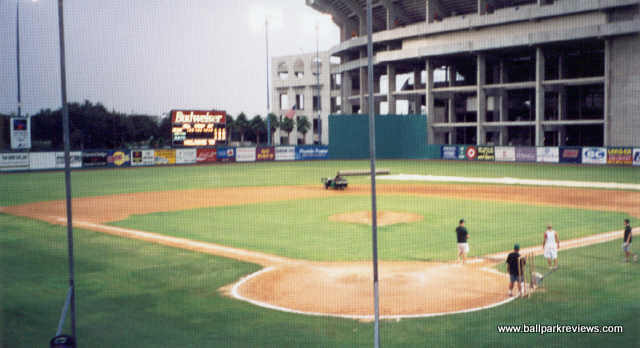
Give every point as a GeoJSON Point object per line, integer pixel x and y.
{"type": "Point", "coordinates": [344, 289]}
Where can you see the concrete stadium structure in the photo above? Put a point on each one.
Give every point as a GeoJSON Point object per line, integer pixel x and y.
{"type": "Point", "coordinates": [295, 83]}
{"type": "Point", "coordinates": [503, 72]}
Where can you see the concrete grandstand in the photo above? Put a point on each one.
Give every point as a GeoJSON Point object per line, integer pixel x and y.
{"type": "Point", "coordinates": [502, 72]}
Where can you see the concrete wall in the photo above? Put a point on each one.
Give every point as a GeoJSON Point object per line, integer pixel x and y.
{"type": "Point", "coordinates": [625, 91]}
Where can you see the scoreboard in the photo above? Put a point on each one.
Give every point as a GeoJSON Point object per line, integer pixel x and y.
{"type": "Point", "coordinates": [198, 127]}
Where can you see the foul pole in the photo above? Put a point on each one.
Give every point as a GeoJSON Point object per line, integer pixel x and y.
{"type": "Point", "coordinates": [266, 40]}
{"type": "Point", "coordinates": [372, 153]}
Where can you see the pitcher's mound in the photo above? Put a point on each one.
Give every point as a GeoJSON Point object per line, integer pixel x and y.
{"type": "Point", "coordinates": [385, 218]}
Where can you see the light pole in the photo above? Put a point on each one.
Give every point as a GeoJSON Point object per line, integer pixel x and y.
{"type": "Point", "coordinates": [18, 55]}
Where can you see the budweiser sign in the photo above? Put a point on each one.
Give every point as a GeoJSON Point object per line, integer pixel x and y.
{"type": "Point", "coordinates": [192, 116]}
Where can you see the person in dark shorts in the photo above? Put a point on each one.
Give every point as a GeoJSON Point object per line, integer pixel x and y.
{"type": "Point", "coordinates": [462, 235]}
{"type": "Point", "coordinates": [626, 243]}
{"type": "Point", "coordinates": [515, 265]}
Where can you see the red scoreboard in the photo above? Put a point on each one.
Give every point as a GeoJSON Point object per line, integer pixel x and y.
{"type": "Point", "coordinates": [198, 127]}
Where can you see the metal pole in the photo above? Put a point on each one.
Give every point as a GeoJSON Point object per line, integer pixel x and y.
{"type": "Point", "coordinates": [67, 166]}
{"type": "Point", "coordinates": [18, 55]}
{"type": "Point", "coordinates": [319, 125]}
{"type": "Point", "coordinates": [266, 39]}
{"type": "Point", "coordinates": [372, 151]}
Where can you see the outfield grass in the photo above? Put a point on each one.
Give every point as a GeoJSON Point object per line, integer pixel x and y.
{"type": "Point", "coordinates": [39, 186]}
{"type": "Point", "coordinates": [272, 228]}
{"type": "Point", "coordinates": [137, 294]}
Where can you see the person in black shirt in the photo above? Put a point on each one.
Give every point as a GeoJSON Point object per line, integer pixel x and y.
{"type": "Point", "coordinates": [626, 244]}
{"type": "Point", "coordinates": [515, 266]}
{"type": "Point", "coordinates": [463, 246]}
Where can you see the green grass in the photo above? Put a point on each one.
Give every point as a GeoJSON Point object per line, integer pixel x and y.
{"type": "Point", "coordinates": [136, 294]}
{"type": "Point", "coordinates": [39, 186]}
{"type": "Point", "coordinates": [271, 228]}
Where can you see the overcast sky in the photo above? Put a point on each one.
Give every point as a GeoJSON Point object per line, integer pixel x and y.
{"type": "Point", "coordinates": [150, 56]}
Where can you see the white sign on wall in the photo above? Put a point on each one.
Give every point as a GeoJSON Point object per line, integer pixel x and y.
{"type": "Point", "coordinates": [20, 130]}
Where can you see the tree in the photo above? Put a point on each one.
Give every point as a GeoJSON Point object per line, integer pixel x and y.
{"type": "Point", "coordinates": [241, 125]}
{"type": "Point", "coordinates": [258, 127]}
{"type": "Point", "coordinates": [273, 123]}
{"type": "Point", "coordinates": [303, 125]}
{"type": "Point", "coordinates": [287, 125]}
{"type": "Point", "coordinates": [230, 125]}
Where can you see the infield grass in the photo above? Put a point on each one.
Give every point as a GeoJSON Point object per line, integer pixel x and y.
{"type": "Point", "coordinates": [301, 229]}
{"type": "Point", "coordinates": [136, 294]}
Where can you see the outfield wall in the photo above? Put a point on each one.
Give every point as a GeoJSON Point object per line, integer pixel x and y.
{"type": "Point", "coordinates": [26, 161]}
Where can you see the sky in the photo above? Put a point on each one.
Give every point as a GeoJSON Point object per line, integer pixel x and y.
{"type": "Point", "coordinates": [151, 56]}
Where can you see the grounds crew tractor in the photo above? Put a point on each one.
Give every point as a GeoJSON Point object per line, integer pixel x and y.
{"type": "Point", "coordinates": [339, 182]}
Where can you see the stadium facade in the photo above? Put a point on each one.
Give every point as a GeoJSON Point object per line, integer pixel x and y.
{"type": "Point", "coordinates": [503, 72]}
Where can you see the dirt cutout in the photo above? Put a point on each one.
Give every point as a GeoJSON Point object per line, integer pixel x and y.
{"type": "Point", "coordinates": [384, 218]}
{"type": "Point", "coordinates": [341, 289]}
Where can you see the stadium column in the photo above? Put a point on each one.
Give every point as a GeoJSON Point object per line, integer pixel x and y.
{"type": "Point", "coordinates": [363, 84]}
{"type": "Point", "coordinates": [429, 101]}
{"type": "Point", "coordinates": [607, 92]}
{"type": "Point", "coordinates": [346, 91]}
{"type": "Point", "coordinates": [417, 100]}
{"type": "Point", "coordinates": [504, 105]}
{"type": "Point", "coordinates": [309, 93]}
{"type": "Point", "coordinates": [562, 102]}
{"type": "Point", "coordinates": [481, 100]}
{"type": "Point", "coordinates": [539, 133]}
{"type": "Point", "coordinates": [391, 83]}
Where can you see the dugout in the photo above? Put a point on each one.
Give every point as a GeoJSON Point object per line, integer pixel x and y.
{"type": "Point", "coordinates": [397, 136]}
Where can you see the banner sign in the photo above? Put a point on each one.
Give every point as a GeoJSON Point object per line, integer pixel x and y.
{"type": "Point", "coordinates": [42, 160]}
{"type": "Point", "coordinates": [312, 152]}
{"type": "Point", "coordinates": [245, 154]}
{"type": "Point", "coordinates": [285, 153]}
{"type": "Point", "coordinates": [75, 157]}
{"type": "Point", "coordinates": [619, 155]}
{"type": "Point", "coordinates": [548, 154]}
{"type": "Point", "coordinates": [142, 157]}
{"type": "Point", "coordinates": [119, 158]}
{"type": "Point", "coordinates": [594, 155]}
{"type": "Point", "coordinates": [164, 157]}
{"type": "Point", "coordinates": [265, 153]}
{"type": "Point", "coordinates": [486, 153]}
{"type": "Point", "coordinates": [471, 153]}
{"type": "Point", "coordinates": [449, 152]}
{"type": "Point", "coordinates": [185, 156]}
{"type": "Point", "coordinates": [505, 153]}
{"type": "Point", "coordinates": [14, 161]}
{"type": "Point", "coordinates": [20, 132]}
{"type": "Point", "coordinates": [570, 155]}
{"type": "Point", "coordinates": [226, 154]}
{"type": "Point", "coordinates": [636, 157]}
{"type": "Point", "coordinates": [206, 155]}
{"type": "Point", "coordinates": [526, 154]}
{"type": "Point", "coordinates": [94, 159]}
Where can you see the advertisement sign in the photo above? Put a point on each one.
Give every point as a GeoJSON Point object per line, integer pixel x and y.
{"type": "Point", "coordinates": [548, 154]}
{"type": "Point", "coordinates": [312, 152]}
{"type": "Point", "coordinates": [570, 155]}
{"type": "Point", "coordinates": [94, 159]}
{"type": "Point", "coordinates": [226, 154]}
{"type": "Point", "coordinates": [265, 154]}
{"type": "Point", "coordinates": [449, 152]}
{"type": "Point", "coordinates": [636, 157]}
{"type": "Point", "coordinates": [619, 155]}
{"type": "Point", "coordinates": [164, 157]}
{"type": "Point", "coordinates": [526, 154]}
{"type": "Point", "coordinates": [142, 157]}
{"type": "Point", "coordinates": [185, 156]}
{"type": "Point", "coordinates": [471, 153]}
{"type": "Point", "coordinates": [20, 132]}
{"type": "Point", "coordinates": [505, 153]}
{"type": "Point", "coordinates": [14, 161]}
{"type": "Point", "coordinates": [486, 153]}
{"type": "Point", "coordinates": [245, 154]}
{"type": "Point", "coordinates": [206, 155]}
{"type": "Point", "coordinates": [119, 158]}
{"type": "Point", "coordinates": [594, 155]}
{"type": "Point", "coordinates": [42, 160]}
{"type": "Point", "coordinates": [285, 153]}
{"type": "Point", "coordinates": [198, 127]}
{"type": "Point", "coordinates": [75, 157]}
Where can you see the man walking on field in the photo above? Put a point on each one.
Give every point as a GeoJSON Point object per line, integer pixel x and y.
{"type": "Point", "coordinates": [626, 244]}
{"type": "Point", "coordinates": [463, 246]}
{"type": "Point", "coordinates": [551, 244]}
{"type": "Point", "coordinates": [515, 267]}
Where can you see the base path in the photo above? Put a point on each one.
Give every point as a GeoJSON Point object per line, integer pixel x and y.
{"type": "Point", "coordinates": [408, 289]}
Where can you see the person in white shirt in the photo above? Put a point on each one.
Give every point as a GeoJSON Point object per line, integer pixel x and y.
{"type": "Point", "coordinates": [551, 244]}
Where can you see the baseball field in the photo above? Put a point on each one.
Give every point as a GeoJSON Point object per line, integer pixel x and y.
{"type": "Point", "coordinates": [261, 255]}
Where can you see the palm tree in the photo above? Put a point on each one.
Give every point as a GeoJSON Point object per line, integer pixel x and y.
{"type": "Point", "coordinates": [303, 125]}
{"type": "Point", "coordinates": [287, 125]}
{"type": "Point", "coordinates": [230, 125]}
{"type": "Point", "coordinates": [258, 127]}
{"type": "Point", "coordinates": [273, 124]}
{"type": "Point", "coordinates": [241, 125]}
